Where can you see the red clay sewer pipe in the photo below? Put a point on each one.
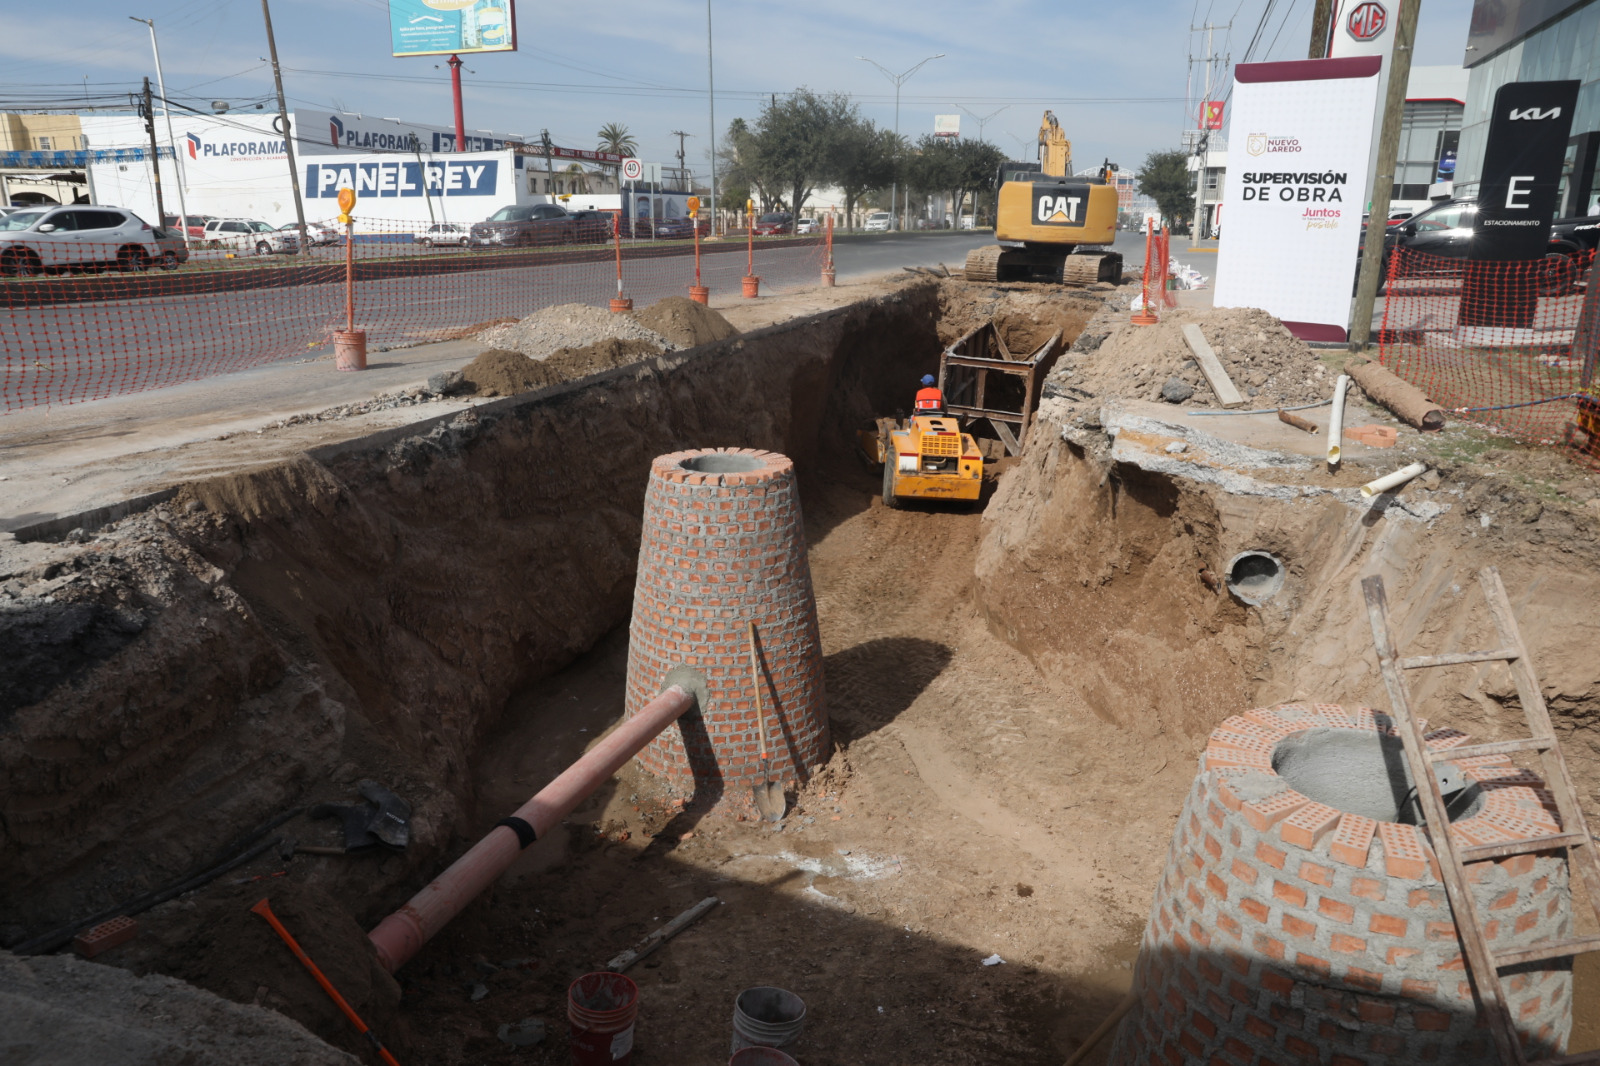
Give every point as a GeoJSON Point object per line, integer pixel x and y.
{"type": "Point", "coordinates": [402, 934]}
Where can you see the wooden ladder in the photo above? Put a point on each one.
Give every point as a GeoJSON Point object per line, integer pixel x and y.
{"type": "Point", "coordinates": [1484, 965]}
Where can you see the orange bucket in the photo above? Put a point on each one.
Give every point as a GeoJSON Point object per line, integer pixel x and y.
{"type": "Point", "coordinates": [752, 285]}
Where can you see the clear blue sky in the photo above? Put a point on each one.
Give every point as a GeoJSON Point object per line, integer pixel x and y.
{"type": "Point", "coordinates": [1114, 72]}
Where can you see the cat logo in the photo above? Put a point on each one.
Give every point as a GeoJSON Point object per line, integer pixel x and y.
{"type": "Point", "coordinates": [1053, 206]}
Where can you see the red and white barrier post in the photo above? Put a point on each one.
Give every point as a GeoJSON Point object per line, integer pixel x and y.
{"type": "Point", "coordinates": [697, 292]}
{"type": "Point", "coordinates": [751, 283]}
{"type": "Point", "coordinates": [1145, 316]}
{"type": "Point", "coordinates": [349, 344]}
{"type": "Point", "coordinates": [619, 302]}
{"type": "Point", "coordinates": [827, 264]}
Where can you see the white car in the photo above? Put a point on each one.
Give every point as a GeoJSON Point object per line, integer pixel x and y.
{"type": "Point", "coordinates": [36, 239]}
{"type": "Point", "coordinates": [444, 233]}
{"type": "Point", "coordinates": [807, 225]}
{"type": "Point", "coordinates": [248, 235]}
{"type": "Point", "coordinates": [879, 222]}
{"type": "Point", "coordinates": [318, 234]}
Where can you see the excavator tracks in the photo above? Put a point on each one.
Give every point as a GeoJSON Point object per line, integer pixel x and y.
{"type": "Point", "coordinates": [995, 263]}
{"type": "Point", "coordinates": [983, 264]}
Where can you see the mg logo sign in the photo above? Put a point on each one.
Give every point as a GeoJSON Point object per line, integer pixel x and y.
{"type": "Point", "coordinates": [1367, 21]}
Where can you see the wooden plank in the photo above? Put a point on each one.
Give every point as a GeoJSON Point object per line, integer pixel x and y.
{"type": "Point", "coordinates": [1006, 435]}
{"type": "Point", "coordinates": [649, 944]}
{"type": "Point", "coordinates": [969, 411]}
{"type": "Point", "coordinates": [1554, 949]}
{"type": "Point", "coordinates": [1498, 747]}
{"type": "Point", "coordinates": [1211, 367]}
{"type": "Point", "coordinates": [980, 363]}
{"type": "Point", "coordinates": [1479, 852]}
{"type": "Point", "coordinates": [1418, 662]}
{"type": "Point", "coordinates": [1502, 1027]}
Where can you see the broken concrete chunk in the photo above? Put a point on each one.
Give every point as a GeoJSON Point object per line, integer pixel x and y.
{"type": "Point", "coordinates": [1176, 390]}
{"type": "Point", "coordinates": [444, 383]}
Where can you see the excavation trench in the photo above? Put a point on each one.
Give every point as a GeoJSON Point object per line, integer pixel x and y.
{"type": "Point", "coordinates": [1016, 699]}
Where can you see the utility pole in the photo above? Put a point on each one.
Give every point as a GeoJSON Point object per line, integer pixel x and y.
{"type": "Point", "coordinates": [1394, 106]}
{"type": "Point", "coordinates": [288, 133]}
{"type": "Point", "coordinates": [1202, 136]}
{"type": "Point", "coordinates": [166, 109]}
{"type": "Point", "coordinates": [149, 113]}
{"type": "Point", "coordinates": [549, 166]}
{"type": "Point", "coordinates": [898, 79]}
{"type": "Point", "coordinates": [682, 168]}
{"type": "Point", "coordinates": [711, 96]}
{"type": "Point", "coordinates": [1321, 16]}
{"type": "Point", "coordinates": [455, 89]}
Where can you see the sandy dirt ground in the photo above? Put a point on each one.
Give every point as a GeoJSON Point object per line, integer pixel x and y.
{"type": "Point", "coordinates": [971, 810]}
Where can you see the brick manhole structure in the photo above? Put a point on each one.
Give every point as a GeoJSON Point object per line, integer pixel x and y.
{"type": "Point", "coordinates": [723, 546]}
{"type": "Point", "coordinates": [1301, 919]}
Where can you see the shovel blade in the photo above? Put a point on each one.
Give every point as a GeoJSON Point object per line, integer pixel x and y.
{"type": "Point", "coordinates": [770, 802]}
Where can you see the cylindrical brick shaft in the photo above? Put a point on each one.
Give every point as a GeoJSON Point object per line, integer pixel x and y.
{"type": "Point", "coordinates": [723, 546]}
{"type": "Point", "coordinates": [1300, 921]}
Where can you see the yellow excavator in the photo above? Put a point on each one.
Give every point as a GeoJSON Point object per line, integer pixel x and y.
{"type": "Point", "coordinates": [1051, 226]}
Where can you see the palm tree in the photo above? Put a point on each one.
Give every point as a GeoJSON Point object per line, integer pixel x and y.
{"type": "Point", "coordinates": [614, 137]}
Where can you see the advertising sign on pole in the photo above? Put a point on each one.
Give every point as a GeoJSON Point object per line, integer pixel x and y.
{"type": "Point", "coordinates": [1211, 114]}
{"type": "Point", "coordinates": [1522, 161]}
{"type": "Point", "coordinates": [947, 125]}
{"type": "Point", "coordinates": [452, 27]}
{"type": "Point", "coordinates": [1300, 137]}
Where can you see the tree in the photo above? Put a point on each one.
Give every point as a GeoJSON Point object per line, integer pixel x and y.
{"type": "Point", "coordinates": [794, 143]}
{"type": "Point", "coordinates": [865, 158]}
{"type": "Point", "coordinates": [614, 137]}
{"type": "Point", "coordinates": [1165, 179]}
{"type": "Point", "coordinates": [953, 167]}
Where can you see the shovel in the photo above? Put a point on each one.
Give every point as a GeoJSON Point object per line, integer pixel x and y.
{"type": "Point", "coordinates": [767, 794]}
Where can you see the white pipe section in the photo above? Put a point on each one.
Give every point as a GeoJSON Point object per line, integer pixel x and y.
{"type": "Point", "coordinates": [1336, 420]}
{"type": "Point", "coordinates": [1394, 480]}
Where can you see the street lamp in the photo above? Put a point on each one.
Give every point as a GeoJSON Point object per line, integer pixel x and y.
{"type": "Point", "coordinates": [982, 119]}
{"type": "Point", "coordinates": [898, 79]}
{"type": "Point", "coordinates": [161, 85]}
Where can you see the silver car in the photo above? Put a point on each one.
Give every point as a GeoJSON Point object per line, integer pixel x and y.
{"type": "Point", "coordinates": [37, 239]}
{"type": "Point", "coordinates": [318, 234]}
{"type": "Point", "coordinates": [248, 235]}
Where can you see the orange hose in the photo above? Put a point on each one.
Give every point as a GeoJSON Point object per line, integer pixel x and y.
{"type": "Point", "coordinates": [265, 910]}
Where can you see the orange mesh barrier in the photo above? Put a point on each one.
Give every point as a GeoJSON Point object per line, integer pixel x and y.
{"type": "Point", "coordinates": [1500, 343]}
{"type": "Point", "coordinates": [94, 319]}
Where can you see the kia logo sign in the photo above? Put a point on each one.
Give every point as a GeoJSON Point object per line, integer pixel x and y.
{"type": "Point", "coordinates": [1533, 114]}
{"type": "Point", "coordinates": [1367, 21]}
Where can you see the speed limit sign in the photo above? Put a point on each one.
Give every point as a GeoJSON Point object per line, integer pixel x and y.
{"type": "Point", "coordinates": [632, 169]}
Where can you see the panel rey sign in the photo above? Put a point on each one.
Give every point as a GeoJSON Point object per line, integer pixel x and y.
{"type": "Point", "coordinates": [1055, 204]}
{"type": "Point", "coordinates": [1522, 161]}
{"type": "Point", "coordinates": [1299, 140]}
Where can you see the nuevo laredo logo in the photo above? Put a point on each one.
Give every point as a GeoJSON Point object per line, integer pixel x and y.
{"type": "Point", "coordinates": [1367, 21]}
{"type": "Point", "coordinates": [1265, 144]}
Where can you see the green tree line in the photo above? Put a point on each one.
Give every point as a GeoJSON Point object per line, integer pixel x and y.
{"type": "Point", "coordinates": [804, 141]}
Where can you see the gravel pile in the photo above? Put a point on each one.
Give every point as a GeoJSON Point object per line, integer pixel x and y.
{"type": "Point", "coordinates": [568, 326]}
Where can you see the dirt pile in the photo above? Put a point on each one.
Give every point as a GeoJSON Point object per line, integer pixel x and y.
{"type": "Point", "coordinates": [569, 326]}
{"type": "Point", "coordinates": [68, 1012]}
{"type": "Point", "coordinates": [1268, 365]}
{"type": "Point", "coordinates": [499, 372]}
{"type": "Point", "coordinates": [1027, 314]}
{"type": "Point", "coordinates": [685, 323]}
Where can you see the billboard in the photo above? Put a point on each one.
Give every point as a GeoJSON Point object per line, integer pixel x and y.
{"type": "Point", "coordinates": [947, 125]}
{"type": "Point", "coordinates": [390, 178]}
{"type": "Point", "coordinates": [447, 27]}
{"type": "Point", "coordinates": [1211, 114]}
{"type": "Point", "coordinates": [1300, 137]}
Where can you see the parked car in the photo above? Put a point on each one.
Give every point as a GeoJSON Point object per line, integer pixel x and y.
{"type": "Point", "coordinates": [248, 235]}
{"type": "Point", "coordinates": [879, 222]}
{"type": "Point", "coordinates": [807, 225]}
{"type": "Point", "coordinates": [444, 233]}
{"type": "Point", "coordinates": [594, 227]}
{"type": "Point", "coordinates": [318, 234]}
{"type": "Point", "coordinates": [174, 249]}
{"type": "Point", "coordinates": [774, 223]}
{"type": "Point", "coordinates": [1445, 230]}
{"type": "Point", "coordinates": [525, 225]}
{"type": "Point", "coordinates": [193, 225]}
{"type": "Point", "coordinates": [664, 229]}
{"type": "Point", "coordinates": [33, 240]}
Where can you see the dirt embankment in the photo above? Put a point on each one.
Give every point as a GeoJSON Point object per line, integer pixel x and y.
{"type": "Point", "coordinates": [366, 610]}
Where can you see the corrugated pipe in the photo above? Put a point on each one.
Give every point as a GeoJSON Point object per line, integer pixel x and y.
{"type": "Point", "coordinates": [402, 934]}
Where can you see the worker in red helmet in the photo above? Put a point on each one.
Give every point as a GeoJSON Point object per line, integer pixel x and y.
{"type": "Point", "coordinates": [930, 401]}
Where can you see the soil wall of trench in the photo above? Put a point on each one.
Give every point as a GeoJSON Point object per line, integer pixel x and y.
{"type": "Point", "coordinates": [266, 639]}
{"type": "Point", "coordinates": [1107, 576]}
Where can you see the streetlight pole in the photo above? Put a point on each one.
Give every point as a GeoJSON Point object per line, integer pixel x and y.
{"type": "Point", "coordinates": [982, 119]}
{"type": "Point", "coordinates": [161, 86]}
{"type": "Point", "coordinates": [898, 79]}
{"type": "Point", "coordinates": [711, 96]}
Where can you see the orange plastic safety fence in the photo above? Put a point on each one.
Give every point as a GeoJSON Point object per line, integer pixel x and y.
{"type": "Point", "coordinates": [1498, 343]}
{"type": "Point", "coordinates": [85, 319]}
